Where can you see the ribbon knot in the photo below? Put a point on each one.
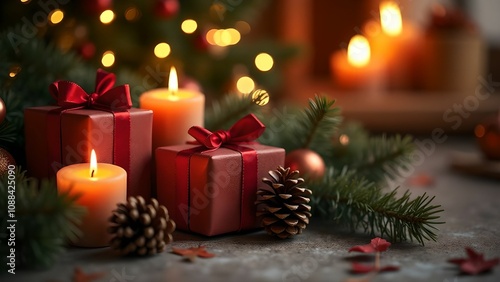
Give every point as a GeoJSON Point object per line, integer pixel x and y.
{"type": "Point", "coordinates": [70, 95]}
{"type": "Point", "coordinates": [247, 129]}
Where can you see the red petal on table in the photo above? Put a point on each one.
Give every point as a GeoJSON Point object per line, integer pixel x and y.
{"type": "Point", "coordinates": [421, 180]}
{"type": "Point", "coordinates": [475, 262]}
{"type": "Point", "coordinates": [363, 268]}
{"type": "Point", "coordinates": [376, 245]}
{"type": "Point", "coordinates": [80, 276]}
{"type": "Point", "coordinates": [192, 253]}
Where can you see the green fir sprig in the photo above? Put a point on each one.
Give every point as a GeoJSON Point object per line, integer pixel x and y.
{"type": "Point", "coordinates": [46, 220]}
{"type": "Point", "coordinates": [358, 203]}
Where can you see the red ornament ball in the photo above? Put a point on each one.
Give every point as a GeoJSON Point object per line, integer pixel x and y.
{"type": "Point", "coordinates": [166, 8]}
{"type": "Point", "coordinates": [3, 110]}
{"type": "Point", "coordinates": [488, 136]}
{"type": "Point", "coordinates": [87, 50]}
{"type": "Point", "coordinates": [307, 162]}
{"type": "Point", "coordinates": [97, 6]}
{"type": "Point", "coordinates": [6, 159]}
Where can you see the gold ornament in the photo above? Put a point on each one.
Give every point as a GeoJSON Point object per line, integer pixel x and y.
{"type": "Point", "coordinates": [307, 161]}
{"type": "Point", "coordinates": [283, 208]}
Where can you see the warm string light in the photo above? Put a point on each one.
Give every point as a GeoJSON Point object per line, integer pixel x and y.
{"type": "Point", "coordinates": [108, 58]}
{"type": "Point", "coordinates": [56, 16]}
{"type": "Point", "coordinates": [132, 14]}
{"type": "Point", "coordinates": [107, 17]}
{"type": "Point", "coordinates": [358, 51]}
{"type": "Point", "coordinates": [162, 50]}
{"type": "Point", "coordinates": [245, 84]}
{"type": "Point", "coordinates": [223, 37]}
{"type": "Point", "coordinates": [189, 26]}
{"type": "Point", "coordinates": [264, 61]}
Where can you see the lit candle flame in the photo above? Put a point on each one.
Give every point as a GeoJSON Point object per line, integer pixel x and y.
{"type": "Point", "coordinates": [358, 51]}
{"type": "Point", "coordinates": [173, 85]}
{"type": "Point", "coordinates": [390, 18]}
{"type": "Point", "coordinates": [93, 164]}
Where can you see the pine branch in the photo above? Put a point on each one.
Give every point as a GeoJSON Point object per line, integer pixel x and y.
{"type": "Point", "coordinates": [45, 220]}
{"type": "Point", "coordinates": [318, 122]}
{"type": "Point", "coordinates": [376, 158]}
{"type": "Point", "coordinates": [226, 112]}
{"type": "Point", "coordinates": [360, 204]}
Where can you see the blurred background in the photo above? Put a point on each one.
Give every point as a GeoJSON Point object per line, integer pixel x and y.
{"type": "Point", "coordinates": [395, 66]}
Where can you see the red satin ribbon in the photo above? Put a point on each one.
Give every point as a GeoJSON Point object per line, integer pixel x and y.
{"type": "Point", "coordinates": [70, 96]}
{"type": "Point", "coordinates": [246, 130]}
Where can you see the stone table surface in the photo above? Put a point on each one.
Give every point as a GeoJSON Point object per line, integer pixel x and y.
{"type": "Point", "coordinates": [472, 215]}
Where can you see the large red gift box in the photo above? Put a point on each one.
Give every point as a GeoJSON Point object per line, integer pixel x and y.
{"type": "Point", "coordinates": [57, 136]}
{"type": "Point", "coordinates": [211, 190]}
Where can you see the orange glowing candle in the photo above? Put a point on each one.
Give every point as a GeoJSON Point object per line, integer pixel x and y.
{"type": "Point", "coordinates": [101, 186]}
{"type": "Point", "coordinates": [397, 45]}
{"type": "Point", "coordinates": [174, 112]}
{"type": "Point", "coordinates": [355, 69]}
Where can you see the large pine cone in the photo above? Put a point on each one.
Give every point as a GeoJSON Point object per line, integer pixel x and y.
{"type": "Point", "coordinates": [141, 229]}
{"type": "Point", "coordinates": [283, 210]}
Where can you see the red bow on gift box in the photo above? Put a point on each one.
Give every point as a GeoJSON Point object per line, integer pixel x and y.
{"type": "Point", "coordinates": [247, 129]}
{"type": "Point", "coordinates": [70, 95]}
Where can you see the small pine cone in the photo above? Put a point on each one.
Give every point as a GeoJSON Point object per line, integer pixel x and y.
{"type": "Point", "coordinates": [140, 229]}
{"type": "Point", "coordinates": [283, 209]}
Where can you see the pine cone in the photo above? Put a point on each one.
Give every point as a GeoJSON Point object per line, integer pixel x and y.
{"type": "Point", "coordinates": [140, 229]}
{"type": "Point", "coordinates": [283, 209]}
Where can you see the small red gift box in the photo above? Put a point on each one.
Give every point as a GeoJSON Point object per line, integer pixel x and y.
{"type": "Point", "coordinates": [210, 188]}
{"type": "Point", "coordinates": [61, 135]}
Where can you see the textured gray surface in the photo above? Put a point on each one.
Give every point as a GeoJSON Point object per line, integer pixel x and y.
{"type": "Point", "coordinates": [472, 215]}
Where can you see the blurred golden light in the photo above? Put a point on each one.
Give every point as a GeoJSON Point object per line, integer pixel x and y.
{"type": "Point", "coordinates": [189, 26]}
{"type": "Point", "coordinates": [358, 51]}
{"type": "Point", "coordinates": [25, 1]}
{"type": "Point", "coordinates": [162, 50]}
{"type": "Point", "coordinates": [243, 27]}
{"type": "Point", "coordinates": [264, 61]}
{"type": "Point", "coordinates": [245, 84]}
{"type": "Point", "coordinates": [344, 139]}
{"type": "Point", "coordinates": [107, 16]}
{"type": "Point", "coordinates": [108, 59]}
{"type": "Point", "coordinates": [224, 37]}
{"type": "Point", "coordinates": [260, 97]}
{"type": "Point", "coordinates": [210, 36]}
{"type": "Point", "coordinates": [235, 36]}
{"type": "Point", "coordinates": [14, 70]}
{"type": "Point", "coordinates": [56, 16]}
{"type": "Point", "coordinates": [132, 14]}
{"type": "Point", "coordinates": [390, 18]}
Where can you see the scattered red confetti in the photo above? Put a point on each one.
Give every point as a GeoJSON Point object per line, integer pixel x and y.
{"type": "Point", "coordinates": [421, 180]}
{"type": "Point", "coordinates": [475, 263]}
{"type": "Point", "coordinates": [363, 268]}
{"type": "Point", "coordinates": [80, 276]}
{"type": "Point", "coordinates": [192, 253]}
{"type": "Point", "coordinates": [376, 245]}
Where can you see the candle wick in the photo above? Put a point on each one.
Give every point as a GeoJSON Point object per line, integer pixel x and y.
{"type": "Point", "coordinates": [92, 174]}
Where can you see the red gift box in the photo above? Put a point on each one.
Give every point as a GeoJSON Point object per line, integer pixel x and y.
{"type": "Point", "coordinates": [103, 121]}
{"type": "Point", "coordinates": [210, 188]}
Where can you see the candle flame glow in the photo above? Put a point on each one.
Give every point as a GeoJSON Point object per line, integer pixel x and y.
{"type": "Point", "coordinates": [358, 51]}
{"type": "Point", "coordinates": [93, 164]}
{"type": "Point", "coordinates": [173, 84]}
{"type": "Point", "coordinates": [390, 18]}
